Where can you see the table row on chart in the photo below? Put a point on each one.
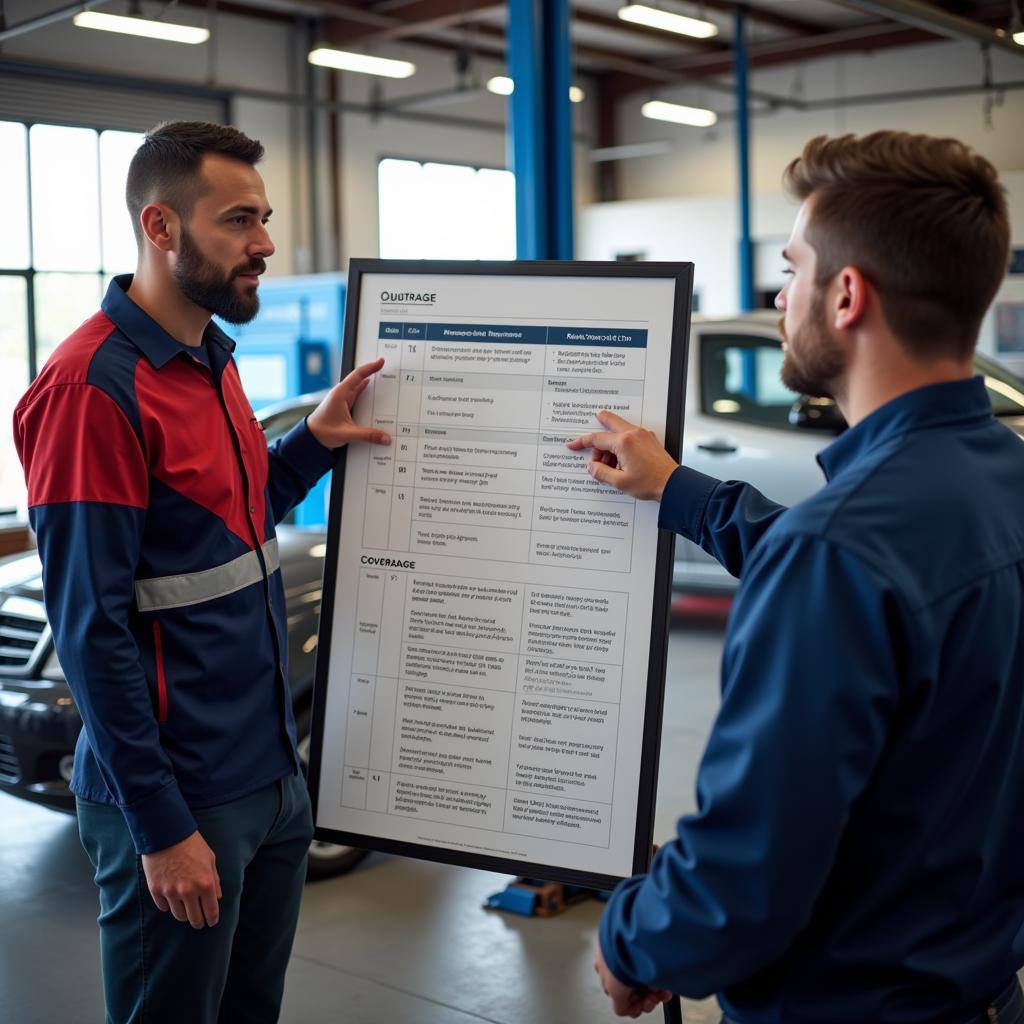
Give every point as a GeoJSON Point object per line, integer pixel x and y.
{"type": "Point", "coordinates": [397, 607]}
{"type": "Point", "coordinates": [533, 531]}
{"type": "Point", "coordinates": [508, 811]}
{"type": "Point", "coordinates": [588, 352]}
{"type": "Point", "coordinates": [398, 465]}
{"type": "Point", "coordinates": [493, 452]}
{"type": "Point", "coordinates": [528, 674]}
{"type": "Point", "coordinates": [490, 402]}
{"type": "Point", "coordinates": [489, 738]}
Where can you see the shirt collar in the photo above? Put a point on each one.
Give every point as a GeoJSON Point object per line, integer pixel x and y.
{"type": "Point", "coordinates": [146, 334]}
{"type": "Point", "coordinates": [959, 401]}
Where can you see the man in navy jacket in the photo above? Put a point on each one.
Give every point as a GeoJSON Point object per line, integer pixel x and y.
{"type": "Point", "coordinates": [154, 497]}
{"type": "Point", "coordinates": [858, 850]}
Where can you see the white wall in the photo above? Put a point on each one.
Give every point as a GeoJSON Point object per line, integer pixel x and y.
{"type": "Point", "coordinates": [704, 162]}
{"type": "Point", "coordinates": [704, 230]}
{"type": "Point", "coordinates": [701, 229]}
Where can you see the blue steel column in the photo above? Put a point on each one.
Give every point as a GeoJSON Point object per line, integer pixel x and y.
{"type": "Point", "coordinates": [540, 127]}
{"type": "Point", "coordinates": [746, 254]}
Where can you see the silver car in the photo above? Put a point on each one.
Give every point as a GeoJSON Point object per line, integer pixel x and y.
{"type": "Point", "coordinates": [742, 423]}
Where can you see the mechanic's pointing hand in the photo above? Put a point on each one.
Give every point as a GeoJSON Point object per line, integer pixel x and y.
{"type": "Point", "coordinates": [629, 458]}
{"type": "Point", "coordinates": [331, 421]}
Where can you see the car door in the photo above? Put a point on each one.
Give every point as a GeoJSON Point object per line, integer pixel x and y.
{"type": "Point", "coordinates": [737, 428]}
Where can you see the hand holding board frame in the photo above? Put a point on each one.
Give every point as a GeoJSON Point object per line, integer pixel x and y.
{"type": "Point", "coordinates": [491, 659]}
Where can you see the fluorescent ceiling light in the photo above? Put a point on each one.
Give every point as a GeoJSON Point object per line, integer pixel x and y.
{"type": "Point", "coordinates": [342, 60]}
{"type": "Point", "coordinates": [503, 86]}
{"type": "Point", "coordinates": [641, 14]}
{"type": "Point", "coordinates": [132, 26]}
{"type": "Point", "coordinates": [658, 110]}
{"type": "Point", "coordinates": [500, 85]}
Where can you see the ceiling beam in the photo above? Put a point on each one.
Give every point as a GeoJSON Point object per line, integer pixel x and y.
{"type": "Point", "coordinates": [338, 33]}
{"type": "Point", "coordinates": [879, 35]}
{"type": "Point", "coordinates": [934, 19]}
{"type": "Point", "coordinates": [42, 20]}
{"type": "Point", "coordinates": [767, 17]}
{"type": "Point", "coordinates": [422, 16]}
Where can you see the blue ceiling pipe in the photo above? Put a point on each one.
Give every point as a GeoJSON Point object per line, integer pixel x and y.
{"type": "Point", "coordinates": [746, 253]}
{"type": "Point", "coordinates": [540, 127]}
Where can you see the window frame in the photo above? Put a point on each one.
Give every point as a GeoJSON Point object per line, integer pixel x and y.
{"type": "Point", "coordinates": [733, 339]}
{"type": "Point", "coordinates": [32, 276]}
{"type": "Point", "coordinates": [29, 273]}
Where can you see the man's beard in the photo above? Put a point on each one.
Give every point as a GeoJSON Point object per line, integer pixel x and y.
{"type": "Point", "coordinates": [812, 363]}
{"type": "Point", "coordinates": [213, 289]}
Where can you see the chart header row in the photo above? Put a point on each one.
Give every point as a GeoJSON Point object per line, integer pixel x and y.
{"type": "Point", "coordinates": [498, 334]}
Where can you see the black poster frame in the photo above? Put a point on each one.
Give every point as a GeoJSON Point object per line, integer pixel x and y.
{"type": "Point", "coordinates": [682, 275]}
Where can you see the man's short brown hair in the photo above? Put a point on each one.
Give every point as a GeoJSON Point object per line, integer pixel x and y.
{"type": "Point", "coordinates": [166, 167]}
{"type": "Point", "coordinates": [924, 219]}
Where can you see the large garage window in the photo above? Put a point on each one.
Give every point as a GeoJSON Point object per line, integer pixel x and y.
{"type": "Point", "coordinates": [65, 233]}
{"type": "Point", "coordinates": [436, 211]}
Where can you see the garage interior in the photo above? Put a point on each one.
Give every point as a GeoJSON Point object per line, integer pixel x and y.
{"type": "Point", "coordinates": [401, 940]}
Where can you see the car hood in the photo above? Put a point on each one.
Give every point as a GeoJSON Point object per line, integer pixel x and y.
{"type": "Point", "coordinates": [22, 574]}
{"type": "Point", "coordinates": [1014, 423]}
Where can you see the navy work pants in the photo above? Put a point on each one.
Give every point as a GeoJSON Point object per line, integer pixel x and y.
{"type": "Point", "coordinates": [158, 970]}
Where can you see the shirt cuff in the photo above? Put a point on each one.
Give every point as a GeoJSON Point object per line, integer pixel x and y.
{"type": "Point", "coordinates": [305, 454]}
{"type": "Point", "coordinates": [684, 502]}
{"type": "Point", "coordinates": [607, 928]}
{"type": "Point", "coordinates": [159, 821]}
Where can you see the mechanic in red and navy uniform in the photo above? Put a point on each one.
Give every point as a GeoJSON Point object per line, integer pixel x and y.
{"type": "Point", "coordinates": [153, 497]}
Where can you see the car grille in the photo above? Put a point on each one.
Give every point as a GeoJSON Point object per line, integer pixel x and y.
{"type": "Point", "coordinates": [9, 771]}
{"type": "Point", "coordinates": [19, 637]}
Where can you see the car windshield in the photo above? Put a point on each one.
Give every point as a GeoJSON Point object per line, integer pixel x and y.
{"type": "Point", "coordinates": [1005, 389]}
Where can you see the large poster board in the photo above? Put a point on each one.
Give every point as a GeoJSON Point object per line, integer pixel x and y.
{"type": "Point", "coordinates": [491, 660]}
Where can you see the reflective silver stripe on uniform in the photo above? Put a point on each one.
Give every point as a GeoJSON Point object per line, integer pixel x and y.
{"type": "Point", "coordinates": [162, 592]}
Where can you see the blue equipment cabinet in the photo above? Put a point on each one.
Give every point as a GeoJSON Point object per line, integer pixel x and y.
{"type": "Point", "coordinates": [293, 347]}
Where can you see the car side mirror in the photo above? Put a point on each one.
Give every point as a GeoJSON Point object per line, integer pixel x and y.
{"type": "Point", "coordinates": [809, 413]}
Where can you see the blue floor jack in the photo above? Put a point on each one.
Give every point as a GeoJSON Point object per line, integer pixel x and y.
{"type": "Point", "coordinates": [533, 897]}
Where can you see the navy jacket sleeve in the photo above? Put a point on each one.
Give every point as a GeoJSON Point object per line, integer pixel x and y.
{"type": "Point", "coordinates": [87, 491]}
{"type": "Point", "coordinates": [295, 463]}
{"type": "Point", "coordinates": [725, 517]}
{"type": "Point", "coordinates": [802, 724]}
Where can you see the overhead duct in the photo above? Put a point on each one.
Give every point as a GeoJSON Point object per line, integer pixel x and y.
{"type": "Point", "coordinates": [42, 20]}
{"type": "Point", "coordinates": [933, 19]}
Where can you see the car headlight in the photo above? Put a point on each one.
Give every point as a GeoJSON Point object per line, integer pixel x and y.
{"type": "Point", "coordinates": [52, 669]}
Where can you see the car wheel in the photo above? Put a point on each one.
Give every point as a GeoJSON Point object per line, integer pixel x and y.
{"type": "Point", "coordinates": [325, 859]}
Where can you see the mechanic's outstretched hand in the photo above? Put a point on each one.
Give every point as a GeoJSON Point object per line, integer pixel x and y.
{"type": "Point", "coordinates": [331, 421]}
{"type": "Point", "coordinates": [184, 880]}
{"type": "Point", "coordinates": [626, 1001]}
{"type": "Point", "coordinates": [628, 457]}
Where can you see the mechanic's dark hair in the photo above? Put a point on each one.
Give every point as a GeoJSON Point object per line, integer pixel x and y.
{"type": "Point", "coordinates": [165, 167]}
{"type": "Point", "coordinates": [924, 219]}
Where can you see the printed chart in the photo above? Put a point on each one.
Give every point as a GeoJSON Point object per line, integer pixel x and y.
{"type": "Point", "coordinates": [484, 684]}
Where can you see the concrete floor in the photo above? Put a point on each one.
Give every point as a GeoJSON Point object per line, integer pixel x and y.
{"type": "Point", "coordinates": [394, 941]}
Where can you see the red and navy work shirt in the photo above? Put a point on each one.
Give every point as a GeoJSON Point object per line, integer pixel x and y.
{"type": "Point", "coordinates": [153, 497]}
